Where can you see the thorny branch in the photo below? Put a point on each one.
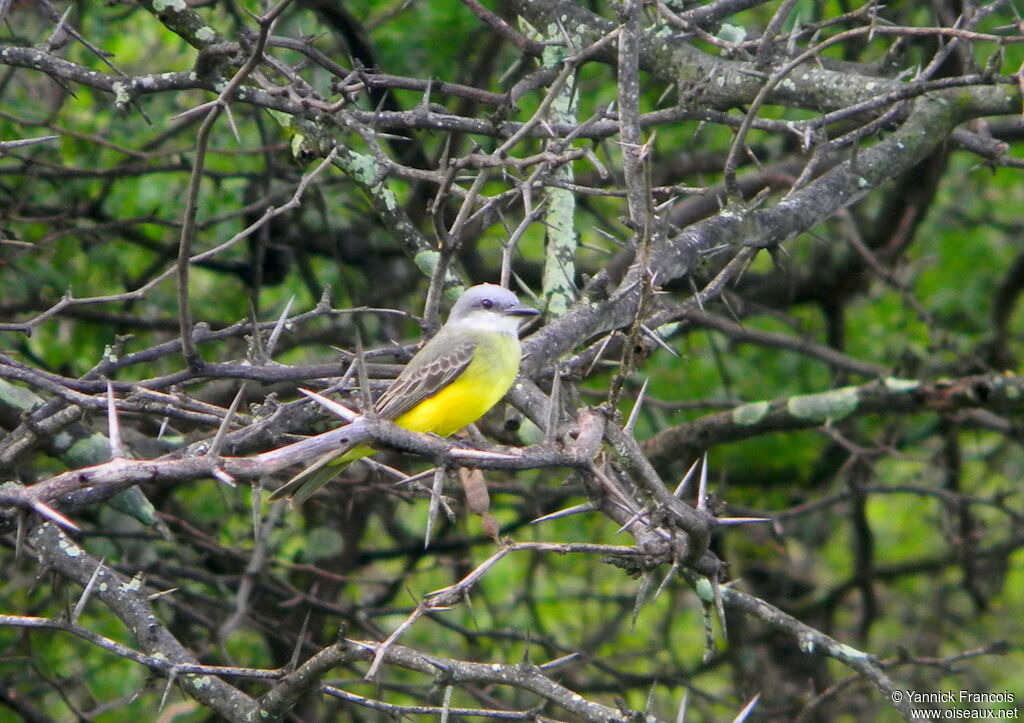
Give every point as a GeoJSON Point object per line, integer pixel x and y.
{"type": "Point", "coordinates": [703, 143]}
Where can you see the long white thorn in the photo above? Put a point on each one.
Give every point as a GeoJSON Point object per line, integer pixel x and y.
{"type": "Point", "coordinates": [642, 512]}
{"type": "Point", "coordinates": [218, 438]}
{"type": "Point", "coordinates": [113, 426]}
{"type": "Point", "coordinates": [747, 709]}
{"type": "Point", "coordinates": [656, 338]}
{"type": "Point", "coordinates": [686, 479]}
{"type": "Point", "coordinates": [681, 712]}
{"type": "Point", "coordinates": [435, 504]}
{"type": "Point", "coordinates": [49, 513]}
{"type": "Point", "coordinates": [330, 405]}
{"type": "Point", "coordinates": [574, 510]}
{"type": "Point", "coordinates": [634, 413]}
{"type": "Point", "coordinates": [278, 328]}
{"type": "Point", "coordinates": [87, 592]}
{"type": "Point", "coordinates": [702, 490]}
{"type": "Point", "coordinates": [471, 454]}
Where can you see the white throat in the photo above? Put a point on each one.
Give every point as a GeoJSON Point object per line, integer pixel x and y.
{"type": "Point", "coordinates": [488, 321]}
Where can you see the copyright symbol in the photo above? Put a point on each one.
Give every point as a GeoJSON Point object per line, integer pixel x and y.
{"type": "Point", "coordinates": [897, 696]}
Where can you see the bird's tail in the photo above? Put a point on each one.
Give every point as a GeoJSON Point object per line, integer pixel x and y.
{"type": "Point", "coordinates": [302, 486]}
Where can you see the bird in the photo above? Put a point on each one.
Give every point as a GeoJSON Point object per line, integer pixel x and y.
{"type": "Point", "coordinates": [463, 371]}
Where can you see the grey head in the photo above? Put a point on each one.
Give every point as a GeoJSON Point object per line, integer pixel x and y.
{"type": "Point", "coordinates": [489, 306]}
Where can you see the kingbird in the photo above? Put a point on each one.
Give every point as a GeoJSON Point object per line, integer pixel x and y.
{"type": "Point", "coordinates": [450, 383]}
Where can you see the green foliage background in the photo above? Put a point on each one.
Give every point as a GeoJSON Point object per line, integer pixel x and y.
{"type": "Point", "coordinates": [98, 212]}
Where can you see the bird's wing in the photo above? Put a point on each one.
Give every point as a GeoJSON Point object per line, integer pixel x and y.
{"type": "Point", "coordinates": [430, 371]}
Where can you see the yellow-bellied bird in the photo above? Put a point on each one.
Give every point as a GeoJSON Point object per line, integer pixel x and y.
{"type": "Point", "coordinates": [450, 383]}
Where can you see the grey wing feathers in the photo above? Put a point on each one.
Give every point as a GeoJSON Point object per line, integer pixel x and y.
{"type": "Point", "coordinates": [423, 378]}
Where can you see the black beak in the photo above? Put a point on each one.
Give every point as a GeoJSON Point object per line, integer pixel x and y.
{"type": "Point", "coordinates": [520, 310]}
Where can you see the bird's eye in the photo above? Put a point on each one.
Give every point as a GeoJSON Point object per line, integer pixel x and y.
{"type": "Point", "coordinates": [487, 303]}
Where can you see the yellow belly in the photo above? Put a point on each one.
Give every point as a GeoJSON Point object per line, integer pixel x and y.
{"type": "Point", "coordinates": [481, 386]}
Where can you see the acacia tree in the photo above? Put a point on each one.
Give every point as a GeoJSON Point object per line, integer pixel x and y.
{"type": "Point", "coordinates": [774, 247]}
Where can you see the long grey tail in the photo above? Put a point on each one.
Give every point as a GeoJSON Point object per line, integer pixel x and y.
{"type": "Point", "coordinates": [302, 486]}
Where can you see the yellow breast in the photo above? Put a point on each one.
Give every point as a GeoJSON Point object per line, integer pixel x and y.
{"type": "Point", "coordinates": [481, 386]}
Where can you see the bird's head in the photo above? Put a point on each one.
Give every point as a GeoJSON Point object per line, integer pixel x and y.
{"type": "Point", "coordinates": [489, 307]}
